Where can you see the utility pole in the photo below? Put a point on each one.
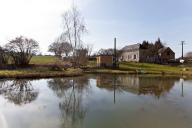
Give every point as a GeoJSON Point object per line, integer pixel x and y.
{"type": "Point", "coordinates": [182, 43]}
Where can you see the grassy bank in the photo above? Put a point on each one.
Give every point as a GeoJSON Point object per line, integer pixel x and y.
{"type": "Point", "coordinates": [145, 68]}
{"type": "Point", "coordinates": [39, 73]}
{"type": "Point", "coordinates": [126, 67]}
{"type": "Point", "coordinates": [149, 68]}
{"type": "Point", "coordinates": [42, 69]}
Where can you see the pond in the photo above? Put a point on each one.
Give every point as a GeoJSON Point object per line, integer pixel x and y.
{"type": "Point", "coordinates": [96, 101]}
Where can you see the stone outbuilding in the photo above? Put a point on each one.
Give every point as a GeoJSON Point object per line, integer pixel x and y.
{"type": "Point", "coordinates": [136, 53]}
{"type": "Point", "coordinates": [131, 53]}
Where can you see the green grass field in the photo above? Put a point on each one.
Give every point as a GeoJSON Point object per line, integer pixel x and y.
{"type": "Point", "coordinates": [148, 67]}
{"type": "Point", "coordinates": [123, 66]}
{"type": "Point", "coordinates": [41, 71]}
{"type": "Point", "coordinates": [44, 60]}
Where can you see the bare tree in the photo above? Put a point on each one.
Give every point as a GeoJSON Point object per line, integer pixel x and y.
{"type": "Point", "coordinates": [82, 54]}
{"type": "Point", "coordinates": [73, 28]}
{"type": "Point", "coordinates": [54, 47]}
{"type": "Point", "coordinates": [67, 48]}
{"type": "Point", "coordinates": [60, 48]}
{"type": "Point", "coordinates": [22, 49]}
{"type": "Point", "coordinates": [89, 48]}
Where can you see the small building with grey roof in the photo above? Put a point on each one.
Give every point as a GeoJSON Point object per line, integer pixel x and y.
{"type": "Point", "coordinates": [132, 53]}
{"type": "Point", "coordinates": [137, 53]}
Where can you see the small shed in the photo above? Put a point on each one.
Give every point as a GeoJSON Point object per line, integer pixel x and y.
{"type": "Point", "coordinates": [104, 61]}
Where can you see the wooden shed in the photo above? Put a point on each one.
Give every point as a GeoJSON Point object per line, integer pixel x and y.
{"type": "Point", "coordinates": [105, 61]}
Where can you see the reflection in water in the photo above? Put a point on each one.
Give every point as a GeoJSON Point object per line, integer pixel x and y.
{"type": "Point", "coordinates": [18, 91]}
{"type": "Point", "coordinates": [60, 85]}
{"type": "Point", "coordinates": [182, 89]}
{"type": "Point", "coordinates": [137, 85]}
{"type": "Point", "coordinates": [71, 92]}
{"type": "Point", "coordinates": [86, 102]}
{"type": "Point", "coordinates": [3, 122]}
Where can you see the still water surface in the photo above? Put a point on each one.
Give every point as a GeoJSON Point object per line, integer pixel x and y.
{"type": "Point", "coordinates": [96, 101]}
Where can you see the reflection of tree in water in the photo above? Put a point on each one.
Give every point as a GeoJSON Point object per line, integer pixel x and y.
{"type": "Point", "coordinates": [18, 91]}
{"type": "Point", "coordinates": [60, 85]}
{"type": "Point", "coordinates": [71, 91]}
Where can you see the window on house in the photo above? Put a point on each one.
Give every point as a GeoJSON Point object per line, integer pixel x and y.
{"type": "Point", "coordinates": [134, 57]}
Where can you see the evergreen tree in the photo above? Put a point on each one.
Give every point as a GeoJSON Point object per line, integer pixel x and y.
{"type": "Point", "coordinates": [158, 44]}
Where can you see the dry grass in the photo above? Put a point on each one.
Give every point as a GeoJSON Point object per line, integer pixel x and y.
{"type": "Point", "coordinates": [39, 73]}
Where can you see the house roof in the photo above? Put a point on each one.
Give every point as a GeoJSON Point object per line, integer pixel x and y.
{"type": "Point", "coordinates": [162, 50]}
{"type": "Point", "coordinates": [104, 55]}
{"type": "Point", "coordinates": [131, 47]}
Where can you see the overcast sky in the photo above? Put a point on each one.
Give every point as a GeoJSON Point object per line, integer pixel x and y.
{"type": "Point", "coordinates": [131, 21]}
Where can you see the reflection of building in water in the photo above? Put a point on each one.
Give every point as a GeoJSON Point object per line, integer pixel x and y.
{"type": "Point", "coordinates": [155, 86]}
{"type": "Point", "coordinates": [137, 84]}
{"type": "Point", "coordinates": [130, 83]}
{"type": "Point", "coordinates": [105, 81]}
